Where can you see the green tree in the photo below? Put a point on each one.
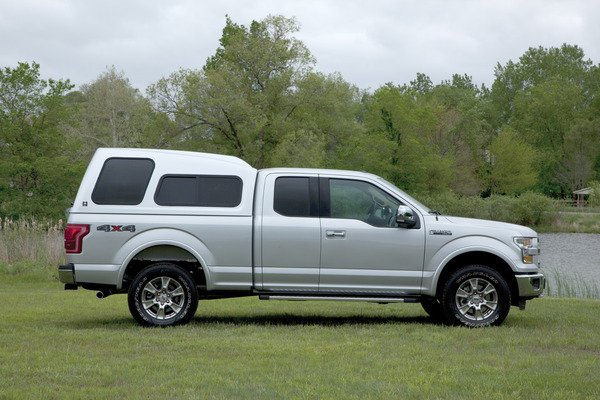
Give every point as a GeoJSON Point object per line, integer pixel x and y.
{"type": "Point", "coordinates": [432, 135]}
{"type": "Point", "coordinates": [37, 174]}
{"type": "Point", "coordinates": [511, 164]}
{"type": "Point", "coordinates": [257, 96]}
{"type": "Point", "coordinates": [582, 150]}
{"type": "Point", "coordinates": [465, 129]}
{"type": "Point", "coordinates": [421, 85]}
{"type": "Point", "coordinates": [545, 115]}
{"type": "Point", "coordinates": [550, 98]}
{"type": "Point", "coordinates": [324, 122]}
{"type": "Point", "coordinates": [403, 141]}
{"type": "Point", "coordinates": [535, 67]}
{"type": "Point", "coordinates": [594, 199]}
{"type": "Point", "coordinates": [111, 113]}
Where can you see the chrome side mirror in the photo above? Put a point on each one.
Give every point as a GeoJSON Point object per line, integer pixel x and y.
{"type": "Point", "coordinates": [405, 217]}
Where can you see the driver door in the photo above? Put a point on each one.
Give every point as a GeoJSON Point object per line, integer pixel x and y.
{"type": "Point", "coordinates": [362, 248]}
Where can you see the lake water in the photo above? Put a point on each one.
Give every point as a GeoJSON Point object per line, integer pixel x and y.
{"type": "Point", "coordinates": [571, 262]}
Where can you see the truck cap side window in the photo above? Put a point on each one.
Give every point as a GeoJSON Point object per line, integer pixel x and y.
{"type": "Point", "coordinates": [199, 191]}
{"type": "Point", "coordinates": [123, 181]}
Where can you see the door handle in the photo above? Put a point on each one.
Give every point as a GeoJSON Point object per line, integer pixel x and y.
{"type": "Point", "coordinates": [334, 234]}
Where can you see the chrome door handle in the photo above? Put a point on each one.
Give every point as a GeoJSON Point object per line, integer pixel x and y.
{"type": "Point", "coordinates": [332, 234]}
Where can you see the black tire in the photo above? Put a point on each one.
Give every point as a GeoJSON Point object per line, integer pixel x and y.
{"type": "Point", "coordinates": [163, 295]}
{"type": "Point", "coordinates": [433, 308]}
{"type": "Point", "coordinates": [475, 296]}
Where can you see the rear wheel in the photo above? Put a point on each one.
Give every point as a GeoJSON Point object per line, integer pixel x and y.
{"type": "Point", "coordinates": [476, 296]}
{"type": "Point", "coordinates": [163, 295]}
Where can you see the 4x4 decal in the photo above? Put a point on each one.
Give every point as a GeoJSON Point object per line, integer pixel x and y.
{"type": "Point", "coordinates": [116, 228]}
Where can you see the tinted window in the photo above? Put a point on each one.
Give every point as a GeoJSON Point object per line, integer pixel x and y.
{"type": "Point", "coordinates": [199, 191]}
{"type": "Point", "coordinates": [362, 201]}
{"type": "Point", "coordinates": [292, 197]}
{"type": "Point", "coordinates": [123, 181]}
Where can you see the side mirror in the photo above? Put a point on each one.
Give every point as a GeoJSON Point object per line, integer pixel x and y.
{"type": "Point", "coordinates": [405, 217]}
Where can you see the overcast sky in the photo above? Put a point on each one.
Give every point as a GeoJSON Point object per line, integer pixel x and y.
{"type": "Point", "coordinates": [370, 42]}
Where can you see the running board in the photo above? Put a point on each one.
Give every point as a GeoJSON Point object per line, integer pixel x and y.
{"type": "Point", "coordinates": [381, 300]}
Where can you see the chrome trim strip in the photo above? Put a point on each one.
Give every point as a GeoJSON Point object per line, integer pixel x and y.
{"type": "Point", "coordinates": [330, 298]}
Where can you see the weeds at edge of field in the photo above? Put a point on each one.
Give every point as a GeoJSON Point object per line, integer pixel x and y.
{"type": "Point", "coordinates": [30, 253]}
{"type": "Point", "coordinates": [573, 285]}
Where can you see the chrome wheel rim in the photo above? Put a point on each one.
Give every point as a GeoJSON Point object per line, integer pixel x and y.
{"type": "Point", "coordinates": [476, 299]}
{"type": "Point", "coordinates": [163, 298]}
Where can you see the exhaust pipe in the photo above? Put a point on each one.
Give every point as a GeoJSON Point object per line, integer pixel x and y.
{"type": "Point", "coordinates": [103, 293]}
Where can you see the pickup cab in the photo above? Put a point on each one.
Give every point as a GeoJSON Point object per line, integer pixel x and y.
{"type": "Point", "coordinates": [170, 228]}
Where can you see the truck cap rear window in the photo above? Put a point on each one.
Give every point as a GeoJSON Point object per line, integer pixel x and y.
{"type": "Point", "coordinates": [123, 181]}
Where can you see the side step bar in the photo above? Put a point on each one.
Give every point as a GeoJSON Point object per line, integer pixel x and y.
{"type": "Point", "coordinates": [381, 300]}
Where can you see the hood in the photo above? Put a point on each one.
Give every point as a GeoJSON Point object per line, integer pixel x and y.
{"type": "Point", "coordinates": [492, 225]}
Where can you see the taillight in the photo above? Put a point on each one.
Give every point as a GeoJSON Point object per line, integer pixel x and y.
{"type": "Point", "coordinates": [74, 235]}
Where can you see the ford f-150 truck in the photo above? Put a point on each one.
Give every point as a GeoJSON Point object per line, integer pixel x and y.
{"type": "Point", "coordinates": [171, 227]}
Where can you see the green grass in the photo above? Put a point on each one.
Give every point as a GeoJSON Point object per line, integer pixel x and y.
{"type": "Point", "coordinates": [57, 344]}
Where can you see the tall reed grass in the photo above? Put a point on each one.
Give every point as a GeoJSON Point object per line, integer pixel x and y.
{"type": "Point", "coordinates": [570, 284]}
{"type": "Point", "coordinates": [30, 249]}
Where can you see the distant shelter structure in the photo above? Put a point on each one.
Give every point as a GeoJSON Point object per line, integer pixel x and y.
{"type": "Point", "coordinates": [578, 196]}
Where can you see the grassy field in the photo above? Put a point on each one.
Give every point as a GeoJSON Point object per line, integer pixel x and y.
{"type": "Point", "coordinates": [57, 344]}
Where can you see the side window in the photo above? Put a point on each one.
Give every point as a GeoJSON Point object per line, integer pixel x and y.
{"type": "Point", "coordinates": [296, 197]}
{"type": "Point", "coordinates": [199, 191]}
{"type": "Point", "coordinates": [123, 181]}
{"type": "Point", "coordinates": [362, 201]}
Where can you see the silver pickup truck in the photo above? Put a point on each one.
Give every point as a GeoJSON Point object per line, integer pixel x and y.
{"type": "Point", "coordinates": [170, 228]}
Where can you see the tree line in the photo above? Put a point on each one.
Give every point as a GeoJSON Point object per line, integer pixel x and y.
{"type": "Point", "coordinates": [260, 97]}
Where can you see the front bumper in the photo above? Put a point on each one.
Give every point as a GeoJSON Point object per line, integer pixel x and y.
{"type": "Point", "coordinates": [531, 285]}
{"type": "Point", "coordinates": [66, 274]}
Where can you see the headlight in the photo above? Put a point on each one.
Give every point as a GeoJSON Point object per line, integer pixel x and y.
{"type": "Point", "coordinates": [529, 248]}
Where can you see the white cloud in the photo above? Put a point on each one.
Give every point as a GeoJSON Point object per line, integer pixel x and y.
{"type": "Point", "coordinates": [369, 43]}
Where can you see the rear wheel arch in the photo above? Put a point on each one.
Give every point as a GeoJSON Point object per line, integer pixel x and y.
{"type": "Point", "coordinates": [164, 253]}
{"type": "Point", "coordinates": [154, 245]}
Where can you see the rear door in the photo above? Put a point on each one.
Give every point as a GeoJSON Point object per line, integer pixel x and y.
{"type": "Point", "coordinates": [290, 234]}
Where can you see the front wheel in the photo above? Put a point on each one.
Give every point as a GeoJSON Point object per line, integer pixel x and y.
{"type": "Point", "coordinates": [162, 295]}
{"type": "Point", "coordinates": [476, 296]}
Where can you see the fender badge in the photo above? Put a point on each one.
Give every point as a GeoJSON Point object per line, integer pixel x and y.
{"type": "Point", "coordinates": [116, 228]}
{"type": "Point", "coordinates": [439, 232]}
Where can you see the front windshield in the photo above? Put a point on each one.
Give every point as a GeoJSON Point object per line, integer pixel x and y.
{"type": "Point", "coordinates": [410, 199]}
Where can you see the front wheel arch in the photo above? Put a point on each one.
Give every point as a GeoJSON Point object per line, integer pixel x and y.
{"type": "Point", "coordinates": [481, 258]}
